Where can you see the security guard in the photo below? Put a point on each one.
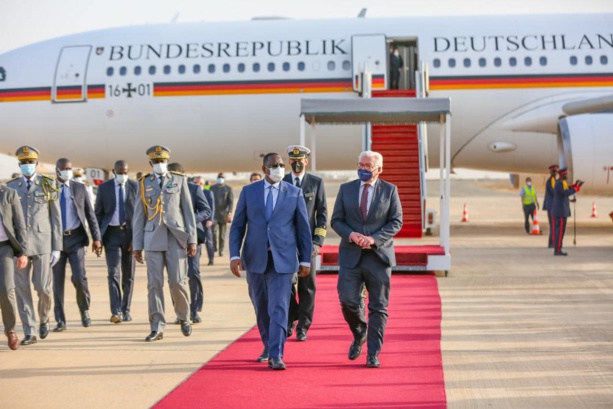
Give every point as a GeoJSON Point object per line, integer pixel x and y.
{"type": "Point", "coordinates": [548, 201]}
{"type": "Point", "coordinates": [165, 227]}
{"type": "Point", "coordinates": [561, 208]}
{"type": "Point", "coordinates": [301, 308]}
{"type": "Point", "coordinates": [41, 208]}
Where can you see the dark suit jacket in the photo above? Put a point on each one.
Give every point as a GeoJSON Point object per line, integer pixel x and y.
{"type": "Point", "coordinates": [317, 209]}
{"type": "Point", "coordinates": [224, 201]}
{"type": "Point", "coordinates": [85, 210]}
{"type": "Point", "coordinates": [561, 205]}
{"type": "Point", "coordinates": [13, 220]}
{"type": "Point", "coordinates": [210, 198]}
{"type": "Point", "coordinates": [382, 223]}
{"type": "Point", "coordinates": [106, 200]}
{"type": "Point", "coordinates": [202, 210]}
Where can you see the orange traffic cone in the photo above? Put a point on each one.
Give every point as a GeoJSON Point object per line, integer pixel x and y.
{"type": "Point", "coordinates": [535, 225]}
{"type": "Point", "coordinates": [594, 214]}
{"type": "Point", "coordinates": [465, 214]}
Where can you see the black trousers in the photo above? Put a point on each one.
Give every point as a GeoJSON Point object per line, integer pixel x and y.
{"type": "Point", "coordinates": [394, 78]}
{"type": "Point", "coordinates": [302, 300]}
{"type": "Point", "coordinates": [551, 228]}
{"type": "Point", "coordinates": [73, 253]}
{"type": "Point", "coordinates": [120, 266]}
{"type": "Point", "coordinates": [560, 230]}
{"type": "Point", "coordinates": [376, 275]}
{"type": "Point", "coordinates": [195, 282]}
{"type": "Point", "coordinates": [528, 213]}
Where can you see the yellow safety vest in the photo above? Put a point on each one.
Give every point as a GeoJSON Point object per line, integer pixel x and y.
{"type": "Point", "coordinates": [529, 195]}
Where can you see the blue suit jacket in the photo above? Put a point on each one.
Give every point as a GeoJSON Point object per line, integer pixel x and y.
{"type": "Point", "coordinates": [210, 198]}
{"type": "Point", "coordinates": [105, 204]}
{"type": "Point", "coordinates": [288, 231]}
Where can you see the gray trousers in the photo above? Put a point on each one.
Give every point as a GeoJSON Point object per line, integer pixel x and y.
{"type": "Point", "coordinates": [219, 235]}
{"type": "Point", "coordinates": [377, 277]}
{"type": "Point", "coordinates": [8, 302]}
{"type": "Point", "coordinates": [42, 281]}
{"type": "Point", "coordinates": [175, 261]}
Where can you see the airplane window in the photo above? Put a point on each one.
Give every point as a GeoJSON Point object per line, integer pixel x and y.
{"type": "Point", "coordinates": [451, 62]}
{"type": "Point", "coordinates": [573, 60]}
{"type": "Point", "coordinates": [137, 70]}
{"type": "Point", "coordinates": [285, 66]}
{"type": "Point", "coordinates": [543, 61]}
{"type": "Point", "coordinates": [109, 72]}
{"type": "Point", "coordinates": [436, 63]}
{"type": "Point", "coordinates": [604, 60]}
{"type": "Point", "coordinates": [152, 70]}
{"type": "Point", "coordinates": [167, 69]}
{"type": "Point", "coordinates": [497, 62]}
{"type": "Point", "coordinates": [528, 61]}
{"type": "Point", "coordinates": [196, 68]}
{"type": "Point", "coordinates": [588, 60]}
{"type": "Point", "coordinates": [482, 62]}
{"type": "Point", "coordinates": [181, 69]}
{"type": "Point", "coordinates": [331, 65]}
{"type": "Point", "coordinates": [211, 68]}
{"type": "Point", "coordinates": [271, 66]}
{"type": "Point", "coordinates": [512, 61]}
{"type": "Point", "coordinates": [301, 66]}
{"type": "Point", "coordinates": [226, 68]}
{"type": "Point", "coordinates": [123, 71]}
{"type": "Point", "coordinates": [346, 65]}
{"type": "Point", "coordinates": [256, 67]}
{"type": "Point", "coordinates": [241, 67]}
{"type": "Point", "coordinates": [467, 62]}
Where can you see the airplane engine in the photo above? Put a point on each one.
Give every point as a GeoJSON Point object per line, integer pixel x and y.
{"type": "Point", "coordinates": [585, 145]}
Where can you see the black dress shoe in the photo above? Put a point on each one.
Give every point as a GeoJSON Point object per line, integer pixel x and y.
{"type": "Point", "coordinates": [372, 361]}
{"type": "Point", "coordinates": [290, 328]}
{"type": "Point", "coordinates": [263, 357]}
{"type": "Point", "coordinates": [28, 340]}
{"type": "Point", "coordinates": [85, 319]}
{"type": "Point", "coordinates": [154, 336]}
{"type": "Point", "coordinates": [186, 328]}
{"type": "Point", "coordinates": [355, 350]}
{"type": "Point", "coordinates": [195, 318]}
{"type": "Point", "coordinates": [116, 318]}
{"type": "Point", "coordinates": [560, 253]}
{"type": "Point", "coordinates": [61, 326]}
{"type": "Point", "coordinates": [126, 317]}
{"type": "Point", "coordinates": [276, 364]}
{"type": "Point", "coordinates": [210, 263]}
{"type": "Point", "coordinates": [301, 336]}
{"type": "Point", "coordinates": [43, 330]}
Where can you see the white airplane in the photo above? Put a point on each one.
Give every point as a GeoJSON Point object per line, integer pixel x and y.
{"type": "Point", "coordinates": [527, 91]}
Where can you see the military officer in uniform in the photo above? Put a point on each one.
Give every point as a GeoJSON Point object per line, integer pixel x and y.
{"type": "Point", "coordinates": [301, 308]}
{"type": "Point", "coordinates": [560, 210]}
{"type": "Point", "coordinates": [164, 226]}
{"type": "Point", "coordinates": [548, 201]}
{"type": "Point", "coordinates": [41, 209]}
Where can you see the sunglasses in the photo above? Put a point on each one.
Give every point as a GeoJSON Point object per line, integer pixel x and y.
{"type": "Point", "coordinates": [276, 165]}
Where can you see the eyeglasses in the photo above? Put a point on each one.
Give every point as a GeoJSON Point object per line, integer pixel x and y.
{"type": "Point", "coordinates": [276, 165]}
{"type": "Point", "coordinates": [366, 166]}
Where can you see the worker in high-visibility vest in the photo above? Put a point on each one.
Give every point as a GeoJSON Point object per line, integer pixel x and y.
{"type": "Point", "coordinates": [529, 202]}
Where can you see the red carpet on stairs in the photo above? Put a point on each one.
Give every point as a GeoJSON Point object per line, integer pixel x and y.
{"type": "Point", "coordinates": [319, 375]}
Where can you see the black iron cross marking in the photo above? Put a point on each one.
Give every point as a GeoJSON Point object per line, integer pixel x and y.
{"type": "Point", "coordinates": [129, 90]}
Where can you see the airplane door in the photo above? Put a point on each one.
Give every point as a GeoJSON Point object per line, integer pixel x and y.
{"type": "Point", "coordinates": [70, 73]}
{"type": "Point", "coordinates": [369, 52]}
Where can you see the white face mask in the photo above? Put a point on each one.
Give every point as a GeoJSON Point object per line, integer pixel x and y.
{"type": "Point", "coordinates": [160, 168]}
{"type": "Point", "coordinates": [276, 174]}
{"type": "Point", "coordinates": [220, 180]}
{"type": "Point", "coordinates": [65, 174]}
{"type": "Point", "coordinates": [529, 184]}
{"type": "Point", "coordinates": [121, 179]}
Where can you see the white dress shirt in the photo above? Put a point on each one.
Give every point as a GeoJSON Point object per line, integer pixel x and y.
{"type": "Point", "coordinates": [72, 220]}
{"type": "Point", "coordinates": [300, 177]}
{"type": "Point", "coordinates": [3, 236]}
{"type": "Point", "coordinates": [115, 219]}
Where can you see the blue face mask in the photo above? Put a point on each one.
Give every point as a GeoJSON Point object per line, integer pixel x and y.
{"type": "Point", "coordinates": [364, 175]}
{"type": "Point", "coordinates": [28, 169]}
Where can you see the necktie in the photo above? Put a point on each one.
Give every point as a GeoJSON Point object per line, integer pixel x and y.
{"type": "Point", "coordinates": [297, 180]}
{"type": "Point", "coordinates": [63, 207]}
{"type": "Point", "coordinates": [161, 181]}
{"type": "Point", "coordinates": [122, 207]}
{"type": "Point", "coordinates": [364, 201]}
{"type": "Point", "coordinates": [269, 204]}
{"type": "Point", "coordinates": [29, 182]}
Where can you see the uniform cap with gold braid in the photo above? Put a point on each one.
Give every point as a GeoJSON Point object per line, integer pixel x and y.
{"type": "Point", "coordinates": [158, 152]}
{"type": "Point", "coordinates": [297, 151]}
{"type": "Point", "coordinates": [77, 172]}
{"type": "Point", "coordinates": [27, 152]}
{"type": "Point", "coordinates": [553, 167]}
{"type": "Point", "coordinates": [563, 171]}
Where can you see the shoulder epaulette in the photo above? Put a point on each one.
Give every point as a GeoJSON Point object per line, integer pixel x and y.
{"type": "Point", "coordinates": [177, 173]}
{"type": "Point", "coordinates": [48, 177]}
{"type": "Point", "coordinates": [15, 178]}
{"type": "Point", "coordinates": [144, 176]}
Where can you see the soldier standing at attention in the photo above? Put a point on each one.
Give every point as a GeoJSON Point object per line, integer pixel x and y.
{"type": "Point", "coordinates": [548, 201]}
{"type": "Point", "coordinates": [41, 209]}
{"type": "Point", "coordinates": [561, 208]}
{"type": "Point", "coordinates": [164, 226]}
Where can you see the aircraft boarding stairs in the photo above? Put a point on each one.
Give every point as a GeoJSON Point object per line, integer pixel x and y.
{"type": "Point", "coordinates": [400, 147]}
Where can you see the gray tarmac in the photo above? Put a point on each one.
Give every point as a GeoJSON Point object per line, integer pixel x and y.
{"type": "Point", "coordinates": [521, 328]}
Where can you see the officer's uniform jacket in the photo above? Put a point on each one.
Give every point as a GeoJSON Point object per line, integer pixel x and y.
{"type": "Point", "coordinates": [158, 211]}
{"type": "Point", "coordinates": [41, 210]}
{"type": "Point", "coordinates": [549, 194]}
{"type": "Point", "coordinates": [315, 198]}
{"type": "Point", "coordinates": [561, 205]}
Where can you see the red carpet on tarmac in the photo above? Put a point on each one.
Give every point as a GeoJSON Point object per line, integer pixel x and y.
{"type": "Point", "coordinates": [319, 374]}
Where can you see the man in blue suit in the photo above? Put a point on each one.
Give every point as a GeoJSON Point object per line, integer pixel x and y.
{"type": "Point", "coordinates": [114, 210]}
{"type": "Point", "coordinates": [272, 214]}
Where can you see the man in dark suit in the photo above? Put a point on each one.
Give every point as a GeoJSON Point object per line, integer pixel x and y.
{"type": "Point", "coordinates": [271, 217]}
{"type": "Point", "coordinates": [367, 215]}
{"type": "Point", "coordinates": [202, 211]}
{"type": "Point", "coordinates": [114, 212]}
{"type": "Point", "coordinates": [224, 202]}
{"type": "Point", "coordinates": [548, 201]}
{"type": "Point", "coordinates": [301, 308]}
{"type": "Point", "coordinates": [396, 65]}
{"type": "Point", "coordinates": [13, 244]}
{"type": "Point", "coordinates": [560, 210]}
{"type": "Point", "coordinates": [77, 211]}
{"type": "Point", "coordinates": [208, 223]}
